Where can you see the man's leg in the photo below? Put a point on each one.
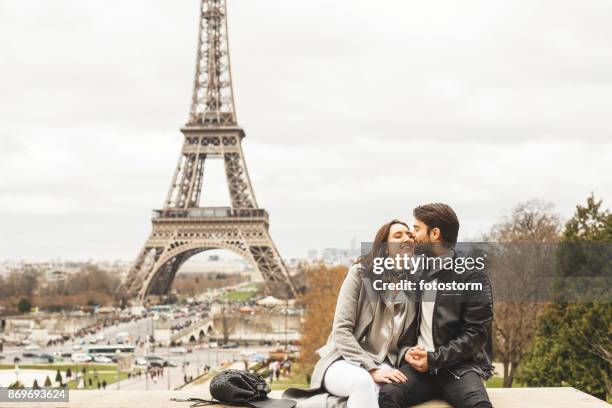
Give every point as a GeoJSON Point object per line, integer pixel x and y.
{"type": "Point", "coordinates": [419, 388]}
{"type": "Point", "coordinates": [466, 392]}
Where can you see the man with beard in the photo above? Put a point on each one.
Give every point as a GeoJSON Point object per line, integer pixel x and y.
{"type": "Point", "coordinates": [449, 360]}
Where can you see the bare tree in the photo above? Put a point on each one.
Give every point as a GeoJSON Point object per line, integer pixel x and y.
{"type": "Point", "coordinates": [228, 324]}
{"type": "Point", "coordinates": [89, 285]}
{"type": "Point", "coordinates": [27, 281]}
{"type": "Point", "coordinates": [519, 263]}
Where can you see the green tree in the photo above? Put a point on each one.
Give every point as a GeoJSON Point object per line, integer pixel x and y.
{"type": "Point", "coordinates": [58, 377]}
{"type": "Point", "coordinates": [35, 385]}
{"type": "Point", "coordinates": [47, 382]}
{"type": "Point", "coordinates": [16, 386]}
{"type": "Point", "coordinates": [68, 373]}
{"type": "Point", "coordinates": [24, 306]}
{"type": "Point", "coordinates": [572, 343]}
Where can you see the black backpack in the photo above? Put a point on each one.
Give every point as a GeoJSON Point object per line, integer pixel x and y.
{"type": "Point", "coordinates": [238, 387]}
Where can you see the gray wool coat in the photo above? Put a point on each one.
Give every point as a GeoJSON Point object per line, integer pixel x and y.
{"type": "Point", "coordinates": [352, 320]}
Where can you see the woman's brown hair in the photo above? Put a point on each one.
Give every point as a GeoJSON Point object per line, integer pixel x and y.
{"type": "Point", "coordinates": [379, 246]}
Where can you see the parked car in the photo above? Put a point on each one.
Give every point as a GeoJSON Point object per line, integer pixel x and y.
{"type": "Point", "coordinates": [155, 361]}
{"type": "Point", "coordinates": [67, 354]}
{"type": "Point", "coordinates": [141, 362]}
{"type": "Point", "coordinates": [258, 358]}
{"type": "Point", "coordinates": [230, 345]}
{"type": "Point", "coordinates": [158, 363]}
{"type": "Point", "coordinates": [98, 358]}
{"type": "Point", "coordinates": [178, 350]}
{"type": "Point", "coordinates": [77, 347]}
{"type": "Point", "coordinates": [2, 357]}
{"type": "Point", "coordinates": [47, 358]}
{"type": "Point", "coordinates": [81, 358]}
{"type": "Point", "coordinates": [123, 338]}
{"type": "Point", "coordinates": [32, 347]}
{"type": "Point", "coordinates": [29, 354]}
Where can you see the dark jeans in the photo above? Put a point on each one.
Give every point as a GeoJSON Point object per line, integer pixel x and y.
{"type": "Point", "coordinates": [466, 392]}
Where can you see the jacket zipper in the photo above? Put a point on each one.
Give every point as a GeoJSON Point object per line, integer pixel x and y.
{"type": "Point", "coordinates": [433, 326]}
{"type": "Point", "coordinates": [453, 374]}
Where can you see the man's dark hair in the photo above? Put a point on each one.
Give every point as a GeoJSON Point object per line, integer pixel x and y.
{"type": "Point", "coordinates": [441, 216]}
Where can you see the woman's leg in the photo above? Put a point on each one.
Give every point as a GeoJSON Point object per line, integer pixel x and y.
{"type": "Point", "coordinates": [344, 379]}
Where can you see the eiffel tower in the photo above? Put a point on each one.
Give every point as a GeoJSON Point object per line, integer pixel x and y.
{"type": "Point", "coordinates": [182, 228]}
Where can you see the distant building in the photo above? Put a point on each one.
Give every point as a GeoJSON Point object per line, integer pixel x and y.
{"type": "Point", "coordinates": [55, 275]}
{"type": "Point", "coordinates": [313, 255]}
{"type": "Point", "coordinates": [339, 256]}
{"type": "Point", "coordinates": [353, 244]}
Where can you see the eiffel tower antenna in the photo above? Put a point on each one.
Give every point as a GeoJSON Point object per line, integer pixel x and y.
{"type": "Point", "coordinates": [182, 228]}
{"type": "Point", "coordinates": [213, 96]}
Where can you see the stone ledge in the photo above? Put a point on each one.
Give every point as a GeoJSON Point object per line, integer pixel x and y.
{"type": "Point", "coordinates": [563, 397]}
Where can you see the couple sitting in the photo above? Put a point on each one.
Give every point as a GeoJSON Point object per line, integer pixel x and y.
{"type": "Point", "coordinates": [394, 354]}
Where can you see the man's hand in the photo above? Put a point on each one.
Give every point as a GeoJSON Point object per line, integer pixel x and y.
{"type": "Point", "coordinates": [388, 375]}
{"type": "Point", "coordinates": [417, 358]}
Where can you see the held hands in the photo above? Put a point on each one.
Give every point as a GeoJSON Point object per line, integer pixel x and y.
{"type": "Point", "coordinates": [388, 375]}
{"type": "Point", "coordinates": [417, 358]}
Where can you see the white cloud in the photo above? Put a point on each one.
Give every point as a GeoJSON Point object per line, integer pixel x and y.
{"type": "Point", "coordinates": [354, 112]}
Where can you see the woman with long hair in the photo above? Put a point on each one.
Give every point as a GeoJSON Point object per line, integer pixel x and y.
{"type": "Point", "coordinates": [370, 333]}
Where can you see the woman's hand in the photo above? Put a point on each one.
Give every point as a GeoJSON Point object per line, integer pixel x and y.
{"type": "Point", "coordinates": [388, 375]}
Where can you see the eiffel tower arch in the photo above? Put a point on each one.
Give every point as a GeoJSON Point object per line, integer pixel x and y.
{"type": "Point", "coordinates": [182, 228]}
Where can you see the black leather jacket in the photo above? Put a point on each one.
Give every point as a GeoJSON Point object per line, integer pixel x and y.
{"type": "Point", "coordinates": [461, 326]}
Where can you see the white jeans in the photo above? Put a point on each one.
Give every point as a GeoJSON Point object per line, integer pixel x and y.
{"type": "Point", "coordinates": [344, 379]}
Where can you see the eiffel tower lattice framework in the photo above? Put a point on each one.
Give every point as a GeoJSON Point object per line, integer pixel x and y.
{"type": "Point", "coordinates": [182, 228]}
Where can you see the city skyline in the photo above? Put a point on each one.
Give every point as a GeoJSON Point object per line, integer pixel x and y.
{"type": "Point", "coordinates": [468, 109]}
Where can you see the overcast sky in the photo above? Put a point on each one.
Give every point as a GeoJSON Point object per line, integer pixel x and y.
{"type": "Point", "coordinates": [355, 112]}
